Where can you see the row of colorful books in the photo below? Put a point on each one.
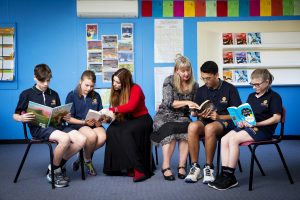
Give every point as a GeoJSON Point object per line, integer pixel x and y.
{"type": "Point", "coordinates": [241, 38]}
{"type": "Point", "coordinates": [241, 57]}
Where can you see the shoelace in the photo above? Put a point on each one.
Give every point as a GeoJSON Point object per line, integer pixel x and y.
{"type": "Point", "coordinates": [207, 171]}
{"type": "Point", "coordinates": [193, 169]}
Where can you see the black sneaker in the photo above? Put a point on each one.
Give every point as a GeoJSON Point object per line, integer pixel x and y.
{"type": "Point", "coordinates": [58, 178]}
{"type": "Point", "coordinates": [76, 164]}
{"type": "Point", "coordinates": [64, 173]}
{"type": "Point", "coordinates": [218, 180]}
{"type": "Point", "coordinates": [226, 183]}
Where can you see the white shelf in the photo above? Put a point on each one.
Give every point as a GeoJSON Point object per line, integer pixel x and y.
{"type": "Point", "coordinates": [258, 65]}
{"type": "Point", "coordinates": [261, 47]}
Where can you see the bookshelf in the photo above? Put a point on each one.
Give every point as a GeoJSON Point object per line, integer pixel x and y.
{"type": "Point", "coordinates": [278, 50]}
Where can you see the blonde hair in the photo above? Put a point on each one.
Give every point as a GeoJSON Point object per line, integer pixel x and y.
{"type": "Point", "coordinates": [183, 62]}
{"type": "Point", "coordinates": [263, 74]}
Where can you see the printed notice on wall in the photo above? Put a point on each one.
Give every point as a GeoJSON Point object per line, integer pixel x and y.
{"type": "Point", "coordinates": [160, 73]}
{"type": "Point", "coordinates": [168, 39]}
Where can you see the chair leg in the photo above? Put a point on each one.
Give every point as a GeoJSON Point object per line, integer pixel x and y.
{"type": "Point", "coordinates": [22, 162]}
{"type": "Point", "coordinates": [82, 164]}
{"type": "Point", "coordinates": [284, 164]}
{"type": "Point", "coordinates": [240, 166]}
{"type": "Point", "coordinates": [218, 157]}
{"type": "Point", "coordinates": [51, 163]}
{"type": "Point", "coordinates": [251, 168]}
{"type": "Point", "coordinates": [156, 156]}
{"type": "Point", "coordinates": [257, 162]}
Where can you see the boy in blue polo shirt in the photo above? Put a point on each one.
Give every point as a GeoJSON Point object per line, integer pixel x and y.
{"type": "Point", "coordinates": [69, 141]}
{"type": "Point", "coordinates": [212, 124]}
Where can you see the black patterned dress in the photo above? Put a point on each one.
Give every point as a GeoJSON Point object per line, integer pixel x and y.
{"type": "Point", "coordinates": [170, 123]}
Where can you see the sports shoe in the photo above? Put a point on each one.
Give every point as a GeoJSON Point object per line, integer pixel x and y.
{"type": "Point", "coordinates": [208, 174]}
{"type": "Point", "coordinates": [218, 180]}
{"type": "Point", "coordinates": [90, 168]}
{"type": "Point", "coordinates": [76, 164]}
{"type": "Point", "coordinates": [227, 182]}
{"type": "Point", "coordinates": [194, 174]}
{"type": "Point", "coordinates": [58, 178]}
{"type": "Point", "coordinates": [64, 173]}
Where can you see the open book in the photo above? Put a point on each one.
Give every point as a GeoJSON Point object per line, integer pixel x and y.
{"type": "Point", "coordinates": [242, 113]}
{"type": "Point", "coordinates": [205, 105]}
{"type": "Point", "coordinates": [103, 115]}
{"type": "Point", "coordinates": [46, 116]}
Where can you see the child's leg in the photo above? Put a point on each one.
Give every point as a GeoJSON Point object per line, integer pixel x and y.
{"type": "Point", "coordinates": [63, 143]}
{"type": "Point", "coordinates": [101, 137]}
{"type": "Point", "coordinates": [234, 147]}
{"type": "Point", "coordinates": [91, 139]}
{"type": "Point", "coordinates": [77, 143]}
{"type": "Point", "coordinates": [225, 147]}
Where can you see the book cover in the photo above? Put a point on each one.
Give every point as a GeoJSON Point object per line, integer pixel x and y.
{"type": "Point", "coordinates": [46, 116]}
{"type": "Point", "coordinates": [240, 57]}
{"type": "Point", "coordinates": [254, 38]}
{"type": "Point", "coordinates": [241, 76]}
{"type": "Point", "coordinates": [241, 38]}
{"type": "Point", "coordinates": [253, 57]}
{"type": "Point", "coordinates": [228, 57]}
{"type": "Point", "coordinates": [242, 113]}
{"type": "Point", "coordinates": [227, 75]}
{"type": "Point", "coordinates": [227, 38]}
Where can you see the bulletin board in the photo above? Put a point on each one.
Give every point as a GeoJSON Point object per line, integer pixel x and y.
{"type": "Point", "coordinates": [278, 49]}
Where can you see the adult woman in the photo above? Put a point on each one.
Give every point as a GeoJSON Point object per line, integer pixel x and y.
{"type": "Point", "coordinates": [84, 98]}
{"type": "Point", "coordinates": [173, 116]}
{"type": "Point", "coordinates": [267, 107]}
{"type": "Point", "coordinates": [128, 145]}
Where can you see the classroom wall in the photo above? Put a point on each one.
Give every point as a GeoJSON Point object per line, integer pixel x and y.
{"type": "Point", "coordinates": [49, 32]}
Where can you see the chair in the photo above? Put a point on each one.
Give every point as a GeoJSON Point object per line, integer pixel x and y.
{"type": "Point", "coordinates": [49, 143]}
{"type": "Point", "coordinates": [275, 141]}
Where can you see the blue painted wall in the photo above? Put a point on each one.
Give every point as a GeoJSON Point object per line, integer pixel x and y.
{"type": "Point", "coordinates": [49, 32]}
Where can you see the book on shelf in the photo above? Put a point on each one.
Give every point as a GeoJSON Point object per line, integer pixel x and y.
{"type": "Point", "coordinates": [240, 38]}
{"type": "Point", "coordinates": [240, 76]}
{"type": "Point", "coordinates": [204, 106]}
{"type": "Point", "coordinates": [103, 115]}
{"type": "Point", "coordinates": [240, 57]}
{"type": "Point", "coordinates": [227, 38]}
{"type": "Point", "coordinates": [254, 38]}
{"type": "Point", "coordinates": [227, 75]}
{"type": "Point", "coordinates": [228, 57]}
{"type": "Point", "coordinates": [253, 57]}
{"type": "Point", "coordinates": [46, 116]}
{"type": "Point", "coordinates": [242, 113]}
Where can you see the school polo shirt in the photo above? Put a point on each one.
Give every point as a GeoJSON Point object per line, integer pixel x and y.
{"type": "Point", "coordinates": [81, 104]}
{"type": "Point", "coordinates": [224, 96]}
{"type": "Point", "coordinates": [49, 98]}
{"type": "Point", "coordinates": [264, 107]}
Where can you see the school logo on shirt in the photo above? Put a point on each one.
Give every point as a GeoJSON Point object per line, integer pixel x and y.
{"type": "Point", "coordinates": [53, 102]}
{"type": "Point", "coordinates": [224, 100]}
{"type": "Point", "coordinates": [95, 101]}
{"type": "Point", "coordinates": [225, 124]}
{"type": "Point", "coordinates": [265, 103]}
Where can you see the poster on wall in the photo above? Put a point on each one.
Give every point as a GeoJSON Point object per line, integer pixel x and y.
{"type": "Point", "coordinates": [160, 73]}
{"type": "Point", "coordinates": [168, 39]}
{"type": "Point", "coordinates": [127, 31]}
{"type": "Point", "coordinates": [7, 54]}
{"type": "Point", "coordinates": [105, 94]}
{"type": "Point", "coordinates": [91, 32]}
{"type": "Point", "coordinates": [94, 56]}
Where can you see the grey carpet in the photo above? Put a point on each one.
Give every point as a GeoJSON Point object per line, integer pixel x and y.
{"type": "Point", "coordinates": [32, 183]}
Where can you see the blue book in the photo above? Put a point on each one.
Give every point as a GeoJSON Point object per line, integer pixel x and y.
{"type": "Point", "coordinates": [242, 113]}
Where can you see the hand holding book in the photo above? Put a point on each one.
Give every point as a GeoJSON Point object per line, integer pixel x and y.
{"type": "Point", "coordinates": [104, 115]}
{"type": "Point", "coordinates": [205, 109]}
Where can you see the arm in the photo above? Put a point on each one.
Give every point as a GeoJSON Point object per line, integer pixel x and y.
{"type": "Point", "coordinates": [136, 95]}
{"type": "Point", "coordinates": [272, 120]}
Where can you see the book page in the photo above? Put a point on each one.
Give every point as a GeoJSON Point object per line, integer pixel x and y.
{"type": "Point", "coordinates": [42, 114]}
{"type": "Point", "coordinates": [58, 113]}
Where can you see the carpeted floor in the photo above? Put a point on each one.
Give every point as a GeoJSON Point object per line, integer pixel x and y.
{"type": "Point", "coordinates": [32, 183]}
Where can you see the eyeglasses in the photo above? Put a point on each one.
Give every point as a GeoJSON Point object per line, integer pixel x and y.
{"type": "Point", "coordinates": [256, 84]}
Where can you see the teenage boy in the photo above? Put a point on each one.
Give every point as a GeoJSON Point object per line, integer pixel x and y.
{"type": "Point", "coordinates": [69, 141]}
{"type": "Point", "coordinates": [212, 123]}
